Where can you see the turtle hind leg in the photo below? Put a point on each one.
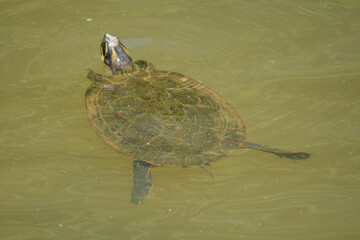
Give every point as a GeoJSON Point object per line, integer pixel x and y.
{"type": "Point", "coordinates": [277, 152]}
{"type": "Point", "coordinates": [294, 155]}
{"type": "Point", "coordinates": [142, 181]}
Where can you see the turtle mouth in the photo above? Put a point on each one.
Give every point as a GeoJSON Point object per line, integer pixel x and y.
{"type": "Point", "coordinates": [110, 39]}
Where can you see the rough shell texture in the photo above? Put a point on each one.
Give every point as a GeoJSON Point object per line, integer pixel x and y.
{"type": "Point", "coordinates": [163, 118]}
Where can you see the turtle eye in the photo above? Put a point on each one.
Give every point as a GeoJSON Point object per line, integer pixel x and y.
{"type": "Point", "coordinates": [104, 48]}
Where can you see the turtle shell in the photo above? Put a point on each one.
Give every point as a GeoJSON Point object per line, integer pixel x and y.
{"type": "Point", "coordinates": [163, 118]}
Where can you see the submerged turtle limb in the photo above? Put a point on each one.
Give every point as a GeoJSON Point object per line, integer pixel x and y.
{"type": "Point", "coordinates": [142, 181]}
{"type": "Point", "coordinates": [145, 65]}
{"type": "Point", "coordinates": [96, 77]}
{"type": "Point", "coordinates": [277, 152]}
{"type": "Point", "coordinates": [206, 168]}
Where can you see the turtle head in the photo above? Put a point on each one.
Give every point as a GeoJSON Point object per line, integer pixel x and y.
{"type": "Point", "coordinates": [115, 55]}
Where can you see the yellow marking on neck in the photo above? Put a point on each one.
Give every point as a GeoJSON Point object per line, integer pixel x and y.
{"type": "Point", "coordinates": [124, 48]}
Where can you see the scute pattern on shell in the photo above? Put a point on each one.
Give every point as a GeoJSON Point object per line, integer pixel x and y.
{"type": "Point", "coordinates": [164, 118]}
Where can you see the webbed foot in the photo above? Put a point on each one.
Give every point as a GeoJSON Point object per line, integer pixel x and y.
{"type": "Point", "coordinates": [142, 181]}
{"type": "Point", "coordinates": [277, 152]}
{"type": "Point", "coordinates": [295, 156]}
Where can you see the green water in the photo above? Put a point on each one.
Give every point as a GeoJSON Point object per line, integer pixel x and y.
{"type": "Point", "coordinates": [290, 68]}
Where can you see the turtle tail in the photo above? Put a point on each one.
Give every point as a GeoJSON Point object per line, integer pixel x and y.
{"type": "Point", "coordinates": [142, 181]}
{"type": "Point", "coordinates": [277, 152]}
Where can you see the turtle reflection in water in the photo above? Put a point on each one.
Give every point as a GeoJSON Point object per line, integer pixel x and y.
{"type": "Point", "coordinates": [161, 118]}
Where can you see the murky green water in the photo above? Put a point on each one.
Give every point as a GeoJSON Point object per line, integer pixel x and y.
{"type": "Point", "coordinates": [290, 68]}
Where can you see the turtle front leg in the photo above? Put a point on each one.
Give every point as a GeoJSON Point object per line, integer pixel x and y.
{"type": "Point", "coordinates": [142, 181]}
{"type": "Point", "coordinates": [96, 77]}
{"type": "Point", "coordinates": [145, 65]}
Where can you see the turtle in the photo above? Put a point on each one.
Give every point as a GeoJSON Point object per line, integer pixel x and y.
{"type": "Point", "coordinates": [161, 118]}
